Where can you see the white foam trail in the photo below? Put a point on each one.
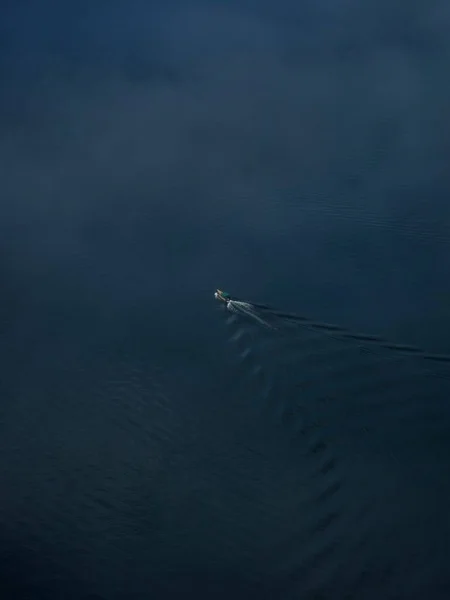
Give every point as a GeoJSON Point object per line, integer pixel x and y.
{"type": "Point", "coordinates": [247, 309]}
{"type": "Point", "coordinates": [367, 342]}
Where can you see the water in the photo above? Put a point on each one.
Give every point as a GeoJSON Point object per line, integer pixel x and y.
{"type": "Point", "coordinates": [294, 155]}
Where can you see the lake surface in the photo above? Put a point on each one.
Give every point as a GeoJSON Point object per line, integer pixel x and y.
{"type": "Point", "coordinates": [293, 154]}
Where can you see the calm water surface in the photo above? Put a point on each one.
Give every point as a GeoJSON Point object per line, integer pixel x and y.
{"type": "Point", "coordinates": [294, 154]}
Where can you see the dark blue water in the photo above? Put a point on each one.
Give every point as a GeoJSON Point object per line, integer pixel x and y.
{"type": "Point", "coordinates": [291, 153]}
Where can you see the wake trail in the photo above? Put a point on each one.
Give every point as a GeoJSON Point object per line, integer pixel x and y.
{"type": "Point", "coordinates": [365, 417]}
{"type": "Point", "coordinates": [320, 512]}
